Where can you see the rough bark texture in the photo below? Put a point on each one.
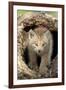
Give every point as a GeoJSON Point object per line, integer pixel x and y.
{"type": "Point", "coordinates": [54, 67]}
{"type": "Point", "coordinates": [37, 19]}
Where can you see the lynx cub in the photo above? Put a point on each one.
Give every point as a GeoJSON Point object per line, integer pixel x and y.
{"type": "Point", "coordinates": [40, 43]}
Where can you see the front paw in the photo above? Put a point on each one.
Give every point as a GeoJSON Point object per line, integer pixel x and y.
{"type": "Point", "coordinates": [44, 72]}
{"type": "Point", "coordinates": [33, 67]}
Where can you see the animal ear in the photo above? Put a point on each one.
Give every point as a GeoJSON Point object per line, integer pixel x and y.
{"type": "Point", "coordinates": [31, 33]}
{"type": "Point", "coordinates": [46, 34]}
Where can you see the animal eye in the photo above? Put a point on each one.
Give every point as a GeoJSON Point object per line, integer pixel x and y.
{"type": "Point", "coordinates": [36, 44]}
{"type": "Point", "coordinates": [43, 44]}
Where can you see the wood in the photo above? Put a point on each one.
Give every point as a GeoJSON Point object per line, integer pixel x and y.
{"type": "Point", "coordinates": [35, 19]}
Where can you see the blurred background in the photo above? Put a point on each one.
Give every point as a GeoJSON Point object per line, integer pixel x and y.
{"type": "Point", "coordinates": [53, 13]}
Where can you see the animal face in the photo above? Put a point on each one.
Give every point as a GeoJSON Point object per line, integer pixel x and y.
{"type": "Point", "coordinates": [37, 43]}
